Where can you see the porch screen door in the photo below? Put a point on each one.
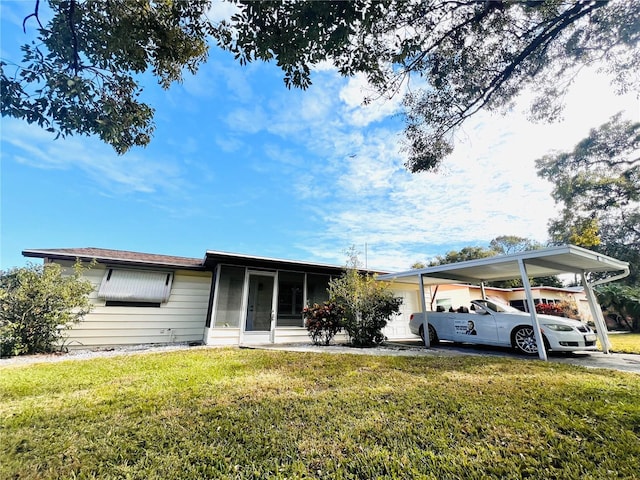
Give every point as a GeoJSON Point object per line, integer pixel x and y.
{"type": "Point", "coordinates": [259, 303]}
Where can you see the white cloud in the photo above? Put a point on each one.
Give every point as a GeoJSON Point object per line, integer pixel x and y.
{"type": "Point", "coordinates": [488, 187]}
{"type": "Point", "coordinates": [221, 10]}
{"type": "Point", "coordinates": [129, 173]}
{"type": "Point", "coordinates": [359, 114]}
{"type": "Point", "coordinates": [247, 120]}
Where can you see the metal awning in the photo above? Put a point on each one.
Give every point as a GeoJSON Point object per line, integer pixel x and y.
{"type": "Point", "coordinates": [533, 263]}
{"type": "Point", "coordinates": [136, 286]}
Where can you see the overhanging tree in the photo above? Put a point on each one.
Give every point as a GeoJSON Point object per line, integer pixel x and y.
{"type": "Point", "coordinates": [470, 55]}
{"type": "Point", "coordinates": [82, 74]}
{"type": "Point", "coordinates": [597, 184]}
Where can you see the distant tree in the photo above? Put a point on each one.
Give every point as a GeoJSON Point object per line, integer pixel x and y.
{"type": "Point", "coordinates": [598, 187]}
{"type": "Point", "coordinates": [417, 265]}
{"type": "Point", "coordinates": [502, 245]}
{"type": "Point", "coordinates": [38, 303]}
{"type": "Point", "coordinates": [473, 55]}
{"type": "Point", "coordinates": [623, 302]}
{"type": "Point", "coordinates": [506, 244]}
{"type": "Point", "coordinates": [466, 253]}
{"type": "Point", "coordinates": [367, 304]}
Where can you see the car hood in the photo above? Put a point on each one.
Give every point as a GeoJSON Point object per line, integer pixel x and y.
{"type": "Point", "coordinates": [559, 320]}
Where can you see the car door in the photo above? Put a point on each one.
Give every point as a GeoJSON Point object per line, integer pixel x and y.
{"type": "Point", "coordinates": [477, 328]}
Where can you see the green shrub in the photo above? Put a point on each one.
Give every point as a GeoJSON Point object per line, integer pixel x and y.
{"type": "Point", "coordinates": [323, 322]}
{"type": "Point", "coordinates": [37, 304]}
{"type": "Point", "coordinates": [368, 304]}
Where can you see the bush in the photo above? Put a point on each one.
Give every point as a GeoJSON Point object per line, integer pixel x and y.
{"type": "Point", "coordinates": [323, 322]}
{"type": "Point", "coordinates": [37, 304]}
{"type": "Point", "coordinates": [368, 304]}
{"type": "Point", "coordinates": [549, 309]}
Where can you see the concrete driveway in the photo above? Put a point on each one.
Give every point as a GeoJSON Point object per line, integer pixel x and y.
{"type": "Point", "coordinates": [614, 361]}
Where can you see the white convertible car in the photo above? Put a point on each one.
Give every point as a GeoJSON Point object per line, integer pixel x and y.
{"type": "Point", "coordinates": [492, 323]}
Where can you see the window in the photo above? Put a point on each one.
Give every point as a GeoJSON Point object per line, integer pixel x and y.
{"type": "Point", "coordinates": [290, 298]}
{"type": "Point", "coordinates": [135, 287]}
{"type": "Point", "coordinates": [444, 304]}
{"type": "Point", "coordinates": [317, 288]}
{"type": "Point", "coordinates": [519, 304]}
{"type": "Point", "coordinates": [229, 294]}
{"type": "Point", "coordinates": [119, 303]}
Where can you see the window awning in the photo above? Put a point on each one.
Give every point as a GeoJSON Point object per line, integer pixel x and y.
{"type": "Point", "coordinates": [135, 286]}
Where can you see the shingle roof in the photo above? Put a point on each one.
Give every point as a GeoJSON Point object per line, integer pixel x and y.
{"type": "Point", "coordinates": [103, 255]}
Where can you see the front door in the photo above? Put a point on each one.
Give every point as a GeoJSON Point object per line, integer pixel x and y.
{"type": "Point", "coordinates": [260, 306]}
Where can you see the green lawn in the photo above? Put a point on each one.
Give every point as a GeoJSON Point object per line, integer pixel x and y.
{"type": "Point", "coordinates": [239, 414]}
{"type": "Point", "coordinates": [625, 342]}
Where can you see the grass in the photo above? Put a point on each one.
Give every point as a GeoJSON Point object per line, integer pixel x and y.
{"type": "Point", "coordinates": [241, 414]}
{"type": "Point", "coordinates": [625, 343]}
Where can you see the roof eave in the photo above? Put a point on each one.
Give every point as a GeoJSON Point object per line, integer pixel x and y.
{"type": "Point", "coordinates": [48, 254]}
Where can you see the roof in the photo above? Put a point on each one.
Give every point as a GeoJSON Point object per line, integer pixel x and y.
{"type": "Point", "coordinates": [209, 262]}
{"type": "Point", "coordinates": [214, 257]}
{"type": "Point", "coordinates": [116, 257]}
{"type": "Point", "coordinates": [539, 263]}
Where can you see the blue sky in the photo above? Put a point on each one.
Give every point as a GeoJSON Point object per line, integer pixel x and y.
{"type": "Point", "coordinates": [239, 163]}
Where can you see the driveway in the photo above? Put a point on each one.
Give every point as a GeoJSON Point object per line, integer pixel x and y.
{"type": "Point", "coordinates": [614, 361]}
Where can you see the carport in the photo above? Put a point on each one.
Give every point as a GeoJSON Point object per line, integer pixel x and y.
{"type": "Point", "coordinates": [524, 265]}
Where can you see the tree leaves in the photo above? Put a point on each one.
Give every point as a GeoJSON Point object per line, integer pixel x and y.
{"type": "Point", "coordinates": [467, 55]}
{"type": "Point", "coordinates": [80, 77]}
{"type": "Point", "coordinates": [598, 186]}
{"type": "Point", "coordinates": [472, 55]}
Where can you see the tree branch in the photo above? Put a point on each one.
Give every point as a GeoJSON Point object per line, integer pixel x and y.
{"type": "Point", "coordinates": [74, 36]}
{"type": "Point", "coordinates": [34, 14]}
{"type": "Point", "coordinates": [556, 27]}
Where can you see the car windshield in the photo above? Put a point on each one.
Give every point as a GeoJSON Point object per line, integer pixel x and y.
{"type": "Point", "coordinates": [495, 306]}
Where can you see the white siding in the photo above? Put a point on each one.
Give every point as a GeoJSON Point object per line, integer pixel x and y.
{"type": "Point", "coordinates": [181, 319]}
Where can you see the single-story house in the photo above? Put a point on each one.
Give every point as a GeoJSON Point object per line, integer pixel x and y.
{"type": "Point", "coordinates": [220, 299]}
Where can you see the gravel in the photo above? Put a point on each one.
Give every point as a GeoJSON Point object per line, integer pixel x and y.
{"type": "Point", "coordinates": [84, 354]}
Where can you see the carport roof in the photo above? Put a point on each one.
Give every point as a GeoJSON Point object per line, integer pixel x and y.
{"type": "Point", "coordinates": [539, 263]}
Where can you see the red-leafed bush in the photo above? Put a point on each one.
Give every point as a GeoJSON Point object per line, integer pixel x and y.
{"type": "Point", "coordinates": [323, 322]}
{"type": "Point", "coordinates": [549, 309]}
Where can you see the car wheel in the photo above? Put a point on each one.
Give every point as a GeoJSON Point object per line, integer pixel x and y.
{"type": "Point", "coordinates": [524, 340]}
{"type": "Point", "coordinates": [433, 336]}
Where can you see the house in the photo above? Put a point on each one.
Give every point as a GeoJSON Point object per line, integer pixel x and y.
{"type": "Point", "coordinates": [222, 298]}
{"type": "Point", "coordinates": [455, 295]}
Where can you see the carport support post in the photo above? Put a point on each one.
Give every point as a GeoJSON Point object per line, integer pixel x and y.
{"type": "Point", "coordinates": [596, 313]}
{"type": "Point", "coordinates": [534, 317]}
{"type": "Point", "coordinates": [423, 304]}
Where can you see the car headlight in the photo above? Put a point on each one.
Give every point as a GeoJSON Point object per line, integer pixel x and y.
{"type": "Point", "coordinates": [559, 328]}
